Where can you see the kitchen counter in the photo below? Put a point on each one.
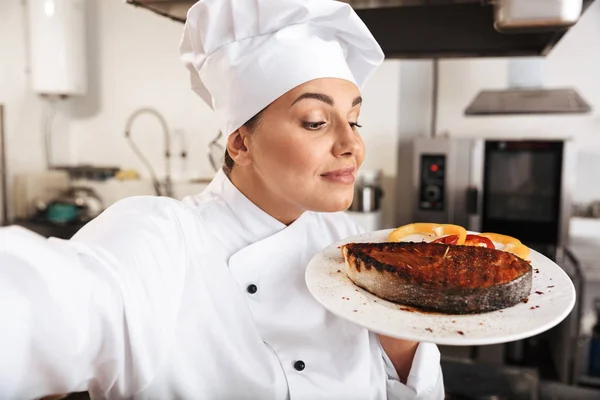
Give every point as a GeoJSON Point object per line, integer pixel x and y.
{"type": "Point", "coordinates": [468, 380]}
{"type": "Point", "coordinates": [559, 391]}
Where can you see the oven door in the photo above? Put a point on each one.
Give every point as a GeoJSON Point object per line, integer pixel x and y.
{"type": "Point", "coordinates": [522, 190]}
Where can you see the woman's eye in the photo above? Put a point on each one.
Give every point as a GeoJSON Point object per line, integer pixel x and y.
{"type": "Point", "coordinates": [354, 125]}
{"type": "Point", "coordinates": [313, 126]}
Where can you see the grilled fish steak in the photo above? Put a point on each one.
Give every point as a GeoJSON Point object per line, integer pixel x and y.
{"type": "Point", "coordinates": [438, 277]}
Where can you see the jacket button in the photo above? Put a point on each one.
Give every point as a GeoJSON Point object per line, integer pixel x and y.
{"type": "Point", "coordinates": [252, 289]}
{"type": "Point", "coordinates": [299, 365]}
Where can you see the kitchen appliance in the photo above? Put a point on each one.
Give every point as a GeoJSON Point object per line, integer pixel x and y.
{"type": "Point", "coordinates": [515, 187]}
{"type": "Point", "coordinates": [57, 44]}
{"type": "Point", "coordinates": [519, 188]}
{"type": "Point", "coordinates": [526, 94]}
{"type": "Point", "coordinates": [448, 28]}
{"type": "Point", "coordinates": [515, 15]}
{"type": "Point", "coordinates": [366, 205]}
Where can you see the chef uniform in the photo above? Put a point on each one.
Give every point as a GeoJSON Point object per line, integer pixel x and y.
{"type": "Point", "coordinates": [203, 298]}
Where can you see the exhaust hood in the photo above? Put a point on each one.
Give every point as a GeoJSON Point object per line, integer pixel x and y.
{"type": "Point", "coordinates": [448, 28]}
{"type": "Point", "coordinates": [526, 94]}
{"type": "Point", "coordinates": [528, 101]}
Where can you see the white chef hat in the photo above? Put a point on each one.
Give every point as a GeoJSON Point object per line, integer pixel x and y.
{"type": "Point", "coordinates": [244, 54]}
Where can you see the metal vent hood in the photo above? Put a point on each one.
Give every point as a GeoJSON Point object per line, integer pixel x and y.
{"type": "Point", "coordinates": [526, 94]}
{"type": "Point", "coordinates": [528, 101]}
{"type": "Point", "coordinates": [448, 28]}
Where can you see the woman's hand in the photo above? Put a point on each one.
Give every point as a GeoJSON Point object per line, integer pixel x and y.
{"type": "Point", "coordinates": [401, 353]}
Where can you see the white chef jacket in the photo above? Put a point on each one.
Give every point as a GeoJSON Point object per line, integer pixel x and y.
{"type": "Point", "coordinates": [199, 299]}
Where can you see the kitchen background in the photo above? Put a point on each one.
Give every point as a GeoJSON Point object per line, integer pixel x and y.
{"type": "Point", "coordinates": [132, 63]}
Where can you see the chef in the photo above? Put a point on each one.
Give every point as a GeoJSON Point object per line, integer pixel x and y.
{"type": "Point", "coordinates": [205, 298]}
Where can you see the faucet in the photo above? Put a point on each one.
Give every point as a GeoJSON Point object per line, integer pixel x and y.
{"type": "Point", "coordinates": [168, 189]}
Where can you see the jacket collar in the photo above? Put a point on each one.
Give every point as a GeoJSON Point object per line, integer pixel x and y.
{"type": "Point", "coordinates": [257, 223]}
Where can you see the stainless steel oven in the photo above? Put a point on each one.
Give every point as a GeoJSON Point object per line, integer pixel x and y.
{"type": "Point", "coordinates": [515, 187]}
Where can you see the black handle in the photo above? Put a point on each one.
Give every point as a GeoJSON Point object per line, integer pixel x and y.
{"type": "Point", "coordinates": [472, 201]}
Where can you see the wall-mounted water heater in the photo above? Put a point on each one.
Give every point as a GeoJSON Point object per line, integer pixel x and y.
{"type": "Point", "coordinates": [57, 46]}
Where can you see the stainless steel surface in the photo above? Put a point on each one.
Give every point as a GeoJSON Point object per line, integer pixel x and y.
{"type": "Point", "coordinates": [458, 178]}
{"type": "Point", "coordinates": [463, 183]}
{"type": "Point", "coordinates": [366, 199]}
{"type": "Point", "coordinates": [526, 93]}
{"type": "Point", "coordinates": [162, 188]}
{"type": "Point", "coordinates": [476, 166]}
{"type": "Point", "coordinates": [536, 14]}
{"type": "Point", "coordinates": [528, 101]}
{"type": "Point", "coordinates": [367, 192]}
{"type": "Point", "coordinates": [3, 173]}
{"type": "Point", "coordinates": [177, 9]}
{"type": "Point", "coordinates": [435, 95]}
{"type": "Point", "coordinates": [569, 172]}
{"type": "Point", "coordinates": [441, 28]}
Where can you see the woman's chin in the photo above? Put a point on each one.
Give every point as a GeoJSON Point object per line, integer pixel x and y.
{"type": "Point", "coordinates": [333, 204]}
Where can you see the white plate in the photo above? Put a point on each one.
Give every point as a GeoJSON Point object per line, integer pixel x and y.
{"type": "Point", "coordinates": [551, 300]}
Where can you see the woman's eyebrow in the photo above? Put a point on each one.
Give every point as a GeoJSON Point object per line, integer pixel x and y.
{"type": "Point", "coordinates": [317, 96]}
{"type": "Point", "coordinates": [324, 98]}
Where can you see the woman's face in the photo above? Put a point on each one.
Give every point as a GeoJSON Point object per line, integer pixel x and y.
{"type": "Point", "coordinates": [306, 150]}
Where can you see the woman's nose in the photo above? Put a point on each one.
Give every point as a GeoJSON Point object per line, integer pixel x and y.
{"type": "Point", "coordinates": [347, 142]}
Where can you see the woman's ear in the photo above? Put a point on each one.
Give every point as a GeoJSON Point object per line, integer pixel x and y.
{"type": "Point", "coordinates": [237, 148]}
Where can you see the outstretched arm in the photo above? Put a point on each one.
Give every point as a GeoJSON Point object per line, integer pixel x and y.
{"type": "Point", "coordinates": [94, 313]}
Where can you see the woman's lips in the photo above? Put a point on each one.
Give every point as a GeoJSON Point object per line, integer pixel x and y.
{"type": "Point", "coordinates": [344, 175]}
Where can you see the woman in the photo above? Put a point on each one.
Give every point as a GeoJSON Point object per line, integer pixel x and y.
{"type": "Point", "coordinates": [205, 298]}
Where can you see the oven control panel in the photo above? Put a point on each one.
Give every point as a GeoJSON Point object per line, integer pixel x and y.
{"type": "Point", "coordinates": [432, 180]}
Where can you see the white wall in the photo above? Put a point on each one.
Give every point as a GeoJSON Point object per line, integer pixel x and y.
{"type": "Point", "coordinates": [380, 119]}
{"type": "Point", "coordinates": [574, 62]}
{"type": "Point", "coordinates": [134, 62]}
{"type": "Point", "coordinates": [23, 111]}
{"type": "Point", "coordinates": [415, 114]}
